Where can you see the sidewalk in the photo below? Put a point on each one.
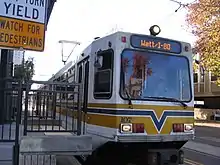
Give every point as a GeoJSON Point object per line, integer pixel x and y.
{"type": "Point", "coordinates": [6, 151]}
{"type": "Point", "coordinates": [203, 148]}
{"type": "Point", "coordinates": [207, 124]}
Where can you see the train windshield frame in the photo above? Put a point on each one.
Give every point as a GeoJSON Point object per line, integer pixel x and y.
{"type": "Point", "coordinates": [146, 74]}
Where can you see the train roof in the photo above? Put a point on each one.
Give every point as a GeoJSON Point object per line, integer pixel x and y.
{"type": "Point", "coordinates": [61, 71]}
{"type": "Point", "coordinates": [87, 51]}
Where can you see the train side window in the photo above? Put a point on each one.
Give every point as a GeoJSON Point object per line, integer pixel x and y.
{"type": "Point", "coordinates": [103, 76]}
{"type": "Point", "coordinates": [74, 75]}
{"type": "Point", "coordinates": [80, 74]}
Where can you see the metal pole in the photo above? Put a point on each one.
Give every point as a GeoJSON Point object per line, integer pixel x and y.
{"type": "Point", "coordinates": [6, 59]}
{"type": "Point", "coordinates": [16, 147]}
{"type": "Point", "coordinates": [23, 61]}
{"type": "Point", "coordinates": [2, 76]}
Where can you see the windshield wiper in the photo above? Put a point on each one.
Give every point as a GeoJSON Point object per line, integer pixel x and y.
{"type": "Point", "coordinates": [168, 99]}
{"type": "Point", "coordinates": [125, 89]}
{"type": "Point", "coordinates": [129, 97]}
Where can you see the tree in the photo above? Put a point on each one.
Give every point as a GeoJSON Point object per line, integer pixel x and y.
{"type": "Point", "coordinates": [25, 71]}
{"type": "Point", "coordinates": [203, 19]}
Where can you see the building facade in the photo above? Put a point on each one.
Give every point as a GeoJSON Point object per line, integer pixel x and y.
{"type": "Point", "coordinates": [17, 57]}
{"type": "Point", "coordinates": [205, 87]}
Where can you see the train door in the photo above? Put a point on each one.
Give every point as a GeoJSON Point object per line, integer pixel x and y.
{"type": "Point", "coordinates": [85, 93]}
{"type": "Point", "coordinates": [83, 73]}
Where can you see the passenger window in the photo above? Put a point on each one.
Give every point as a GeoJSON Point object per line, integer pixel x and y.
{"type": "Point", "coordinates": [103, 76]}
{"type": "Point", "coordinates": [80, 74]}
{"type": "Point", "coordinates": [73, 76]}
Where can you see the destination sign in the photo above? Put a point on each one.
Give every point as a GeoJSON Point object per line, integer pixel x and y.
{"type": "Point", "coordinates": [154, 43]}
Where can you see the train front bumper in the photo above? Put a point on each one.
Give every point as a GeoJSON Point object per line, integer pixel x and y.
{"type": "Point", "coordinates": [154, 138]}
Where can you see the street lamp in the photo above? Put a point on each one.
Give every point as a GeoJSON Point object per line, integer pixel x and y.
{"type": "Point", "coordinates": [75, 43]}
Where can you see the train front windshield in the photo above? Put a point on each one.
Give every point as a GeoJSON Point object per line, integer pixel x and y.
{"type": "Point", "coordinates": [147, 75]}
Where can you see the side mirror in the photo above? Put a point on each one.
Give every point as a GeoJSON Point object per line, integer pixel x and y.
{"type": "Point", "coordinates": [98, 62]}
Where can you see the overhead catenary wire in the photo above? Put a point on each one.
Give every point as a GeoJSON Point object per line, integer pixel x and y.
{"type": "Point", "coordinates": [181, 6]}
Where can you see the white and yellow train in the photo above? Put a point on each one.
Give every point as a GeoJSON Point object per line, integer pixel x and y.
{"type": "Point", "coordinates": [139, 97]}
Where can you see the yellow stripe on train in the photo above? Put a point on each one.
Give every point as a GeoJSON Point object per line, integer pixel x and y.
{"type": "Point", "coordinates": [112, 121]}
{"type": "Point", "coordinates": [158, 109]}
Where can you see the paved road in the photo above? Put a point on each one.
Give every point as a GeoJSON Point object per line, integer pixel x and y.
{"type": "Point", "coordinates": [207, 131]}
{"type": "Point", "coordinates": [196, 158]}
{"type": "Point", "coordinates": [208, 135]}
{"type": "Point", "coordinates": [204, 135]}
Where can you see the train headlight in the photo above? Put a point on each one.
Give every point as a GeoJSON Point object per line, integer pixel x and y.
{"type": "Point", "coordinates": [126, 127]}
{"type": "Point", "coordinates": [188, 127]}
{"type": "Point", "coordinates": [154, 30]}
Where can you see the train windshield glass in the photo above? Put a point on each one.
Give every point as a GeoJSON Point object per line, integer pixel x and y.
{"type": "Point", "coordinates": [155, 75]}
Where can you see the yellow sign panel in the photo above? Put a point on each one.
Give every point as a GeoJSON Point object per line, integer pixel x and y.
{"type": "Point", "coordinates": [16, 33]}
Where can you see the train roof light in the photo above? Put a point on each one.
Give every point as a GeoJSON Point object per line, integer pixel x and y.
{"type": "Point", "coordinates": [154, 30]}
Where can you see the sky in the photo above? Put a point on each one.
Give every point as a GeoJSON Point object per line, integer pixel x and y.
{"type": "Point", "coordinates": [84, 20]}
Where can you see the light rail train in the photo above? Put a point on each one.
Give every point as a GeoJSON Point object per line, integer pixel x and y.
{"type": "Point", "coordinates": [137, 97]}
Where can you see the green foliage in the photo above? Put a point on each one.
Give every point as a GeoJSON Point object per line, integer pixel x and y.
{"type": "Point", "coordinates": [204, 21]}
{"type": "Point", "coordinates": [25, 71]}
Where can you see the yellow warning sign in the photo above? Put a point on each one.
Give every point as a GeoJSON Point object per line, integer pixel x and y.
{"type": "Point", "coordinates": [16, 33]}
